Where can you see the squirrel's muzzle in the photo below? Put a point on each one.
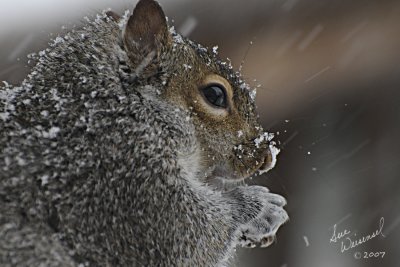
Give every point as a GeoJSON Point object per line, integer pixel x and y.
{"type": "Point", "coordinates": [270, 159]}
{"type": "Point", "coordinates": [268, 162]}
{"type": "Point", "coordinates": [257, 155]}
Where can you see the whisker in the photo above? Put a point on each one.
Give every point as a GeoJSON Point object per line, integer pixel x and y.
{"type": "Point", "coordinates": [259, 32]}
{"type": "Point", "coordinates": [260, 86]}
{"type": "Point", "coordinates": [245, 55]}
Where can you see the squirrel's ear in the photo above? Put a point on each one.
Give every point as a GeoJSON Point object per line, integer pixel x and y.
{"type": "Point", "coordinates": [146, 30]}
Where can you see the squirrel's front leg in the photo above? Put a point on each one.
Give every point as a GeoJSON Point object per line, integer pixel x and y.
{"type": "Point", "coordinates": [258, 214]}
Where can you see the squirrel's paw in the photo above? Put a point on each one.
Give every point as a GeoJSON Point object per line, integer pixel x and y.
{"type": "Point", "coordinates": [261, 231]}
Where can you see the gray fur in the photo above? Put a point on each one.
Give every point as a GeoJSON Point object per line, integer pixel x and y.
{"type": "Point", "coordinates": [95, 170]}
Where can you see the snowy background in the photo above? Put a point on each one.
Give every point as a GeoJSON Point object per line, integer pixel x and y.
{"type": "Point", "coordinates": [330, 75]}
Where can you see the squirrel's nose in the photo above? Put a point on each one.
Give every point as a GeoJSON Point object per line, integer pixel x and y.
{"type": "Point", "coordinates": [268, 163]}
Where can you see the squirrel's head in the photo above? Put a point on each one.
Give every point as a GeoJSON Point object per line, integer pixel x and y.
{"type": "Point", "coordinates": [221, 105]}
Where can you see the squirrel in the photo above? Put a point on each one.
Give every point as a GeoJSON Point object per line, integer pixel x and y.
{"type": "Point", "coordinates": [117, 148]}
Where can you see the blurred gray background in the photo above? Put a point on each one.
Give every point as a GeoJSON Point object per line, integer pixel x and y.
{"type": "Point", "coordinates": [330, 85]}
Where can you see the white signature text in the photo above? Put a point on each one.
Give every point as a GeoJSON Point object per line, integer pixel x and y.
{"type": "Point", "coordinates": [349, 241]}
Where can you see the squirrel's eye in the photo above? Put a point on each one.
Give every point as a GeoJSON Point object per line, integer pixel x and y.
{"type": "Point", "coordinates": [215, 95]}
